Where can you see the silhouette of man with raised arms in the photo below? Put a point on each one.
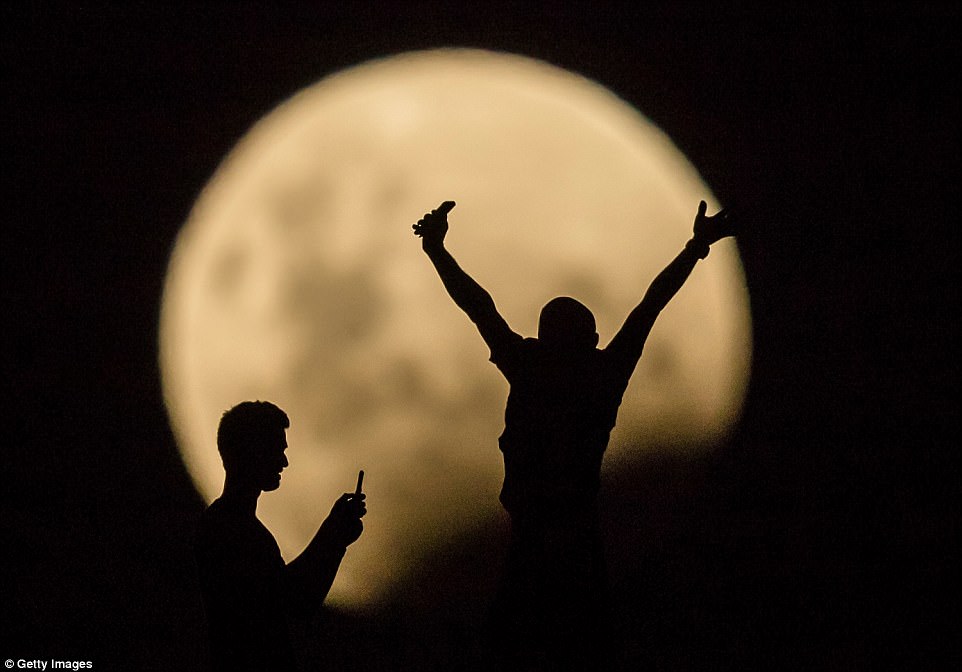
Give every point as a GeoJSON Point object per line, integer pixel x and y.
{"type": "Point", "coordinates": [249, 592]}
{"type": "Point", "coordinates": [562, 405]}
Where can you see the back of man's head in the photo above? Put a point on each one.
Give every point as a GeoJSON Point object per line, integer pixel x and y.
{"type": "Point", "coordinates": [245, 429]}
{"type": "Point", "coordinates": [566, 323]}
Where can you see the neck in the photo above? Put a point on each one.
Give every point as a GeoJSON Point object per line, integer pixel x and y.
{"type": "Point", "coordinates": [240, 494]}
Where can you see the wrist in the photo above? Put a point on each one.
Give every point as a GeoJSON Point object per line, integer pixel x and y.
{"type": "Point", "coordinates": [698, 247]}
{"type": "Point", "coordinates": [432, 247]}
{"type": "Point", "coordinates": [334, 537]}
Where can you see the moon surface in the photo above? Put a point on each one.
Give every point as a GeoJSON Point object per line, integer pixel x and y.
{"type": "Point", "coordinates": [297, 280]}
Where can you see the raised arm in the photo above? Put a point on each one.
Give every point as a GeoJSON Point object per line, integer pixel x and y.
{"type": "Point", "coordinates": [629, 342]}
{"type": "Point", "coordinates": [469, 296]}
{"type": "Point", "coordinates": [311, 574]}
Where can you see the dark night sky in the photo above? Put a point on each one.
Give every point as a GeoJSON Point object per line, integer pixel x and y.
{"type": "Point", "coordinates": [819, 537]}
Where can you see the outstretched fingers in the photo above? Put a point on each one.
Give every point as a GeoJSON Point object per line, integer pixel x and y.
{"type": "Point", "coordinates": [727, 221]}
{"type": "Point", "coordinates": [714, 227]}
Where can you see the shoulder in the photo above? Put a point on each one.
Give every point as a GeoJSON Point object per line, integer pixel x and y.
{"type": "Point", "coordinates": [513, 352]}
{"type": "Point", "coordinates": [218, 513]}
{"type": "Point", "coordinates": [223, 536]}
{"type": "Point", "coordinates": [220, 525]}
{"type": "Point", "coordinates": [614, 367]}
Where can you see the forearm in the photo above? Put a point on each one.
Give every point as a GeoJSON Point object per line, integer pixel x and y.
{"type": "Point", "coordinates": [311, 574]}
{"type": "Point", "coordinates": [630, 339]}
{"type": "Point", "coordinates": [667, 283]}
{"type": "Point", "coordinates": [469, 296]}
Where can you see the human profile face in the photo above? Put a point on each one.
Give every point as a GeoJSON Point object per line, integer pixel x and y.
{"type": "Point", "coordinates": [273, 460]}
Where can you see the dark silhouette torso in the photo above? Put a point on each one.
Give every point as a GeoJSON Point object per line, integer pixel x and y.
{"type": "Point", "coordinates": [560, 412]}
{"type": "Point", "coordinates": [242, 577]}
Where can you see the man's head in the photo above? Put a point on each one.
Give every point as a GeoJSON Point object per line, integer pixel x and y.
{"type": "Point", "coordinates": [251, 440]}
{"type": "Point", "coordinates": [567, 324]}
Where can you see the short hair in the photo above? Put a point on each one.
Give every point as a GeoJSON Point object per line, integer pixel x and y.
{"type": "Point", "coordinates": [244, 428]}
{"type": "Point", "coordinates": [567, 322]}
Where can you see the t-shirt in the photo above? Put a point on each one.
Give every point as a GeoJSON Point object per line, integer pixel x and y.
{"type": "Point", "coordinates": [560, 412]}
{"type": "Point", "coordinates": [243, 581]}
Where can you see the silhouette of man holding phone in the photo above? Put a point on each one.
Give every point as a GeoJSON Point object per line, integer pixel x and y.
{"type": "Point", "coordinates": [249, 591]}
{"type": "Point", "coordinates": [562, 405]}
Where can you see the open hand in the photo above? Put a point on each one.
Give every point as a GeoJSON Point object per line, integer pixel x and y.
{"type": "Point", "coordinates": [714, 228]}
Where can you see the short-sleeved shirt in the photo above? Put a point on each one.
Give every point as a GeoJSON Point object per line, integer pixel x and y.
{"type": "Point", "coordinates": [560, 412]}
{"type": "Point", "coordinates": [243, 581]}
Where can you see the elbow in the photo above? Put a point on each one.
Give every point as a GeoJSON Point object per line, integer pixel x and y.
{"type": "Point", "coordinates": [482, 310]}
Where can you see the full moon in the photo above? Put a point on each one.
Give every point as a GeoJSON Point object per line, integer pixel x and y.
{"type": "Point", "coordinates": [297, 280]}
